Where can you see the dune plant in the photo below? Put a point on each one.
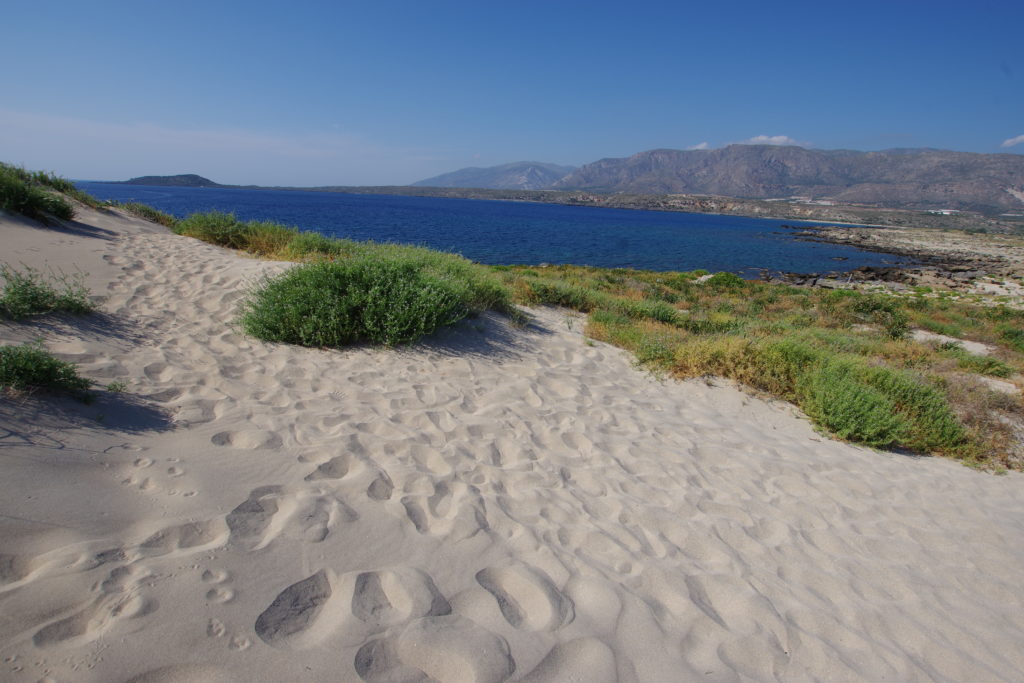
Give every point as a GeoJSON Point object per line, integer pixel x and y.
{"type": "Point", "coordinates": [20, 192]}
{"type": "Point", "coordinates": [373, 297]}
{"type": "Point", "coordinates": [28, 292]}
{"type": "Point", "coordinates": [30, 367]}
{"type": "Point", "coordinates": [148, 213]}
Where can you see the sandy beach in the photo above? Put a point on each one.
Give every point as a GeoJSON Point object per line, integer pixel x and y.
{"type": "Point", "coordinates": [497, 503]}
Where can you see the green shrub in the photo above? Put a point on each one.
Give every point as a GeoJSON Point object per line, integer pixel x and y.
{"type": "Point", "coordinates": [559, 293]}
{"type": "Point", "coordinates": [29, 292]}
{"type": "Point", "coordinates": [307, 244]}
{"type": "Point", "coordinates": [148, 213]}
{"type": "Point", "coordinates": [646, 309]}
{"type": "Point", "coordinates": [983, 365]}
{"type": "Point", "coordinates": [932, 426]}
{"type": "Point", "coordinates": [1012, 335]}
{"type": "Point", "coordinates": [216, 227]}
{"type": "Point", "coordinates": [20, 193]}
{"type": "Point", "coordinates": [64, 186]}
{"type": "Point", "coordinates": [940, 327]}
{"type": "Point", "coordinates": [831, 395]}
{"type": "Point", "coordinates": [366, 298]}
{"type": "Point", "coordinates": [29, 366]}
{"type": "Point", "coordinates": [725, 281]}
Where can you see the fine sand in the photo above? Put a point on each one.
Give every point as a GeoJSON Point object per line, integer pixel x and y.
{"type": "Point", "coordinates": [497, 503]}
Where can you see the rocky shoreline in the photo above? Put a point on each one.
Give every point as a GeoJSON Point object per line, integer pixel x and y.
{"type": "Point", "coordinates": [942, 259]}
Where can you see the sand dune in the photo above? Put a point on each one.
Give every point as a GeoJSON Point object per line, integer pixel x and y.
{"type": "Point", "coordinates": [495, 504]}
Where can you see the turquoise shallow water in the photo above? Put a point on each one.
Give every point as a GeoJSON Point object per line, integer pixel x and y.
{"type": "Point", "coordinates": [498, 232]}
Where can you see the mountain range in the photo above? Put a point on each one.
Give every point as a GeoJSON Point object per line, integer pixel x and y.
{"type": "Point", "coordinates": [897, 178]}
{"type": "Point", "coordinates": [520, 175]}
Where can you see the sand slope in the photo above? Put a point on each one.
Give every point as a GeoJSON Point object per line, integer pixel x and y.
{"type": "Point", "coordinates": [496, 504]}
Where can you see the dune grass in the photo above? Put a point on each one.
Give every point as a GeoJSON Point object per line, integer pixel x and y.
{"type": "Point", "coordinates": [148, 213]}
{"type": "Point", "coordinates": [29, 367]}
{"type": "Point", "coordinates": [29, 292]}
{"type": "Point", "coordinates": [843, 356]}
{"type": "Point", "coordinates": [22, 192]}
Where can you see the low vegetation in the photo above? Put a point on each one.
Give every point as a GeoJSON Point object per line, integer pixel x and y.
{"type": "Point", "coordinates": [384, 298]}
{"type": "Point", "coordinates": [148, 213]}
{"type": "Point", "coordinates": [29, 367]}
{"type": "Point", "coordinates": [21, 193]}
{"type": "Point", "coordinates": [843, 356]}
{"type": "Point", "coordinates": [39, 195]}
{"type": "Point", "coordinates": [28, 292]}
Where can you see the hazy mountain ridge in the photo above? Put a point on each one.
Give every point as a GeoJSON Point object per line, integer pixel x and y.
{"type": "Point", "coordinates": [520, 175]}
{"type": "Point", "coordinates": [921, 178]}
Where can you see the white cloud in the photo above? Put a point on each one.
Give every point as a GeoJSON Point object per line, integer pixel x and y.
{"type": "Point", "coordinates": [1013, 141]}
{"type": "Point", "coordinates": [702, 145]}
{"type": "Point", "coordinates": [772, 140]}
{"type": "Point", "coordinates": [94, 150]}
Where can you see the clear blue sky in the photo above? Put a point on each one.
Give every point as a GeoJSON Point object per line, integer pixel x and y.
{"type": "Point", "coordinates": [314, 93]}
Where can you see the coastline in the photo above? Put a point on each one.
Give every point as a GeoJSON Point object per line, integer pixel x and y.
{"type": "Point", "coordinates": [978, 263]}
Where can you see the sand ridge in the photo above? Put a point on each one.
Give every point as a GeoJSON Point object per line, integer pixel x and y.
{"type": "Point", "coordinates": [498, 503]}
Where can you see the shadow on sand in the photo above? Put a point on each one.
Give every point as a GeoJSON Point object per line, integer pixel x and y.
{"type": "Point", "coordinates": [488, 335]}
{"type": "Point", "coordinates": [28, 419]}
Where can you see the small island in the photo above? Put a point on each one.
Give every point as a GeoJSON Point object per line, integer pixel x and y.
{"type": "Point", "coordinates": [183, 180]}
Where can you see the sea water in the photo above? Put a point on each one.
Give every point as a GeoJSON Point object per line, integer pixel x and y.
{"type": "Point", "coordinates": [506, 232]}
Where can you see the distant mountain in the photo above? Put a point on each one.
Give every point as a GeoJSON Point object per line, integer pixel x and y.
{"type": "Point", "coordinates": [898, 178]}
{"type": "Point", "coordinates": [521, 175]}
{"type": "Point", "coordinates": [186, 180]}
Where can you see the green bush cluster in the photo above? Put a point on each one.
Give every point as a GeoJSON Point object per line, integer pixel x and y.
{"type": "Point", "coordinates": [382, 298]}
{"type": "Point", "coordinates": [29, 292]}
{"type": "Point", "coordinates": [263, 238]}
{"type": "Point", "coordinates": [29, 367]}
{"type": "Point", "coordinates": [21, 192]}
{"type": "Point", "coordinates": [147, 212]}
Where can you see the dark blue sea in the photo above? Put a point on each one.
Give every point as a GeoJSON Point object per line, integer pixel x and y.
{"type": "Point", "coordinates": [501, 232]}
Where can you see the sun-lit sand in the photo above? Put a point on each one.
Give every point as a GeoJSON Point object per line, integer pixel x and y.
{"type": "Point", "coordinates": [497, 503]}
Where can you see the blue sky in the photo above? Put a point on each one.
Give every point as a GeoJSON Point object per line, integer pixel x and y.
{"type": "Point", "coordinates": [316, 93]}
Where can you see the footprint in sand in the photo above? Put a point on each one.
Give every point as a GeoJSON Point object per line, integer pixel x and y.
{"type": "Point", "coordinates": [381, 487]}
{"type": "Point", "coordinates": [306, 612]}
{"type": "Point", "coordinates": [527, 597]}
{"type": "Point", "coordinates": [15, 568]}
{"type": "Point", "coordinates": [387, 597]}
{"type": "Point", "coordinates": [291, 620]}
{"type": "Point", "coordinates": [191, 537]}
{"type": "Point", "coordinates": [118, 598]}
{"type": "Point", "coordinates": [447, 510]}
{"type": "Point", "coordinates": [446, 648]}
{"type": "Point", "coordinates": [158, 372]}
{"type": "Point", "coordinates": [250, 523]}
{"type": "Point", "coordinates": [219, 592]}
{"type": "Point", "coordinates": [271, 511]}
{"type": "Point", "coordinates": [250, 439]}
{"type": "Point", "coordinates": [335, 468]}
